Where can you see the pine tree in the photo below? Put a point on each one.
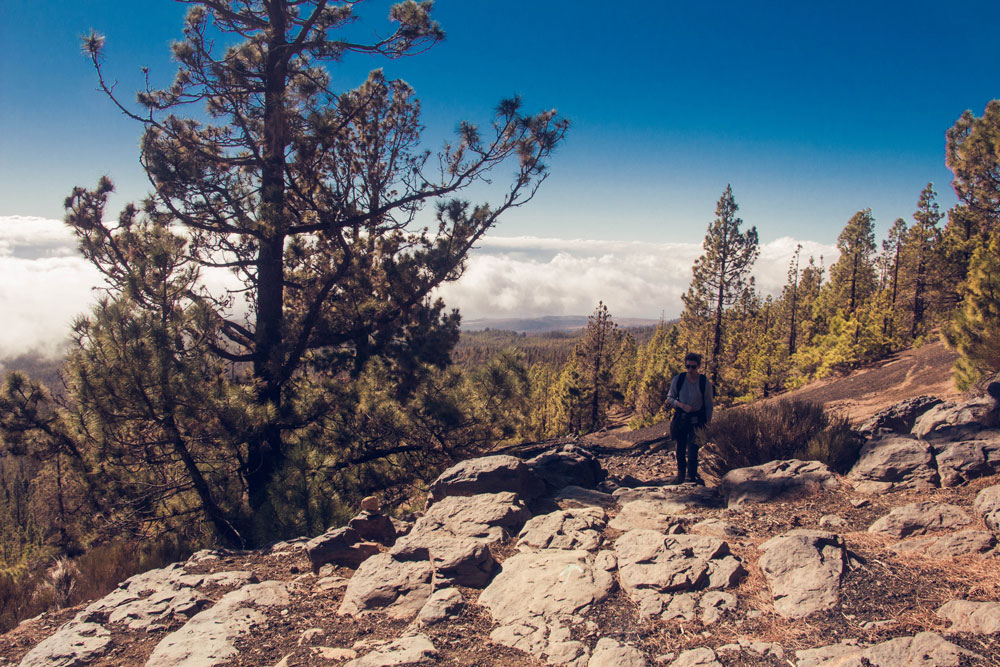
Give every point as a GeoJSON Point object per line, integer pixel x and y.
{"type": "Point", "coordinates": [892, 248]}
{"type": "Point", "coordinates": [721, 273]}
{"type": "Point", "coordinates": [852, 276]}
{"type": "Point", "coordinates": [973, 155]}
{"type": "Point", "coordinates": [596, 357]}
{"type": "Point", "coordinates": [311, 197]}
{"type": "Point", "coordinates": [920, 246]}
{"type": "Point", "coordinates": [974, 330]}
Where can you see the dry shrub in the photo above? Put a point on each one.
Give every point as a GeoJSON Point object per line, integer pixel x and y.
{"type": "Point", "coordinates": [755, 434]}
{"type": "Point", "coordinates": [92, 575]}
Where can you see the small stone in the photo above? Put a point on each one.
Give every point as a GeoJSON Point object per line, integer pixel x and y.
{"type": "Point", "coordinates": [335, 654]}
{"type": "Point", "coordinates": [699, 657]}
{"type": "Point", "coordinates": [311, 635]}
{"type": "Point", "coordinates": [371, 504]}
{"type": "Point", "coordinates": [832, 521]}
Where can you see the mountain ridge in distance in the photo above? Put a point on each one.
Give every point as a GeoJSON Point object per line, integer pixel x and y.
{"type": "Point", "coordinates": [546, 323]}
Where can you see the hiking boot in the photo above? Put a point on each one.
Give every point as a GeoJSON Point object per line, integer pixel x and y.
{"type": "Point", "coordinates": [676, 480]}
{"type": "Point", "coordinates": [698, 480]}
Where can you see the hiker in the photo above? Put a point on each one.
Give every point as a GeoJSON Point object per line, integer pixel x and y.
{"type": "Point", "coordinates": [691, 397]}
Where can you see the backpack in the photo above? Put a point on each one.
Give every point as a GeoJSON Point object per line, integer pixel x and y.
{"type": "Point", "coordinates": [702, 385]}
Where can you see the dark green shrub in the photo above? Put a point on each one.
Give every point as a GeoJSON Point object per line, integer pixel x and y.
{"type": "Point", "coordinates": [762, 432]}
{"type": "Point", "coordinates": [838, 446]}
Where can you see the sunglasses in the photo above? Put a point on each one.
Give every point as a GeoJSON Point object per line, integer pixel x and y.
{"type": "Point", "coordinates": [691, 367]}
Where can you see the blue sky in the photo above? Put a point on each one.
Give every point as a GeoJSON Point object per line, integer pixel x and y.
{"type": "Point", "coordinates": [812, 110]}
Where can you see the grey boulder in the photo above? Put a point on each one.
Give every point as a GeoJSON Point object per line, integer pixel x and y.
{"type": "Point", "coordinates": [919, 519]}
{"type": "Point", "coordinates": [804, 569]}
{"type": "Point", "coordinates": [894, 462]}
{"type": "Point", "coordinates": [488, 474]}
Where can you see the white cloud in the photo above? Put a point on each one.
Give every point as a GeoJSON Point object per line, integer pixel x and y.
{"type": "Point", "coordinates": [45, 283]}
{"type": "Point", "coordinates": [527, 276]}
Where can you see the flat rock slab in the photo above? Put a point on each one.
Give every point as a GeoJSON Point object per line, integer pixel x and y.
{"type": "Point", "coordinates": [488, 474]}
{"type": "Point", "coordinates": [577, 496]}
{"type": "Point", "coordinates": [959, 462]}
{"type": "Point", "coordinates": [894, 462]}
{"type": "Point", "coordinates": [647, 514]}
{"type": "Point", "coordinates": [565, 529]}
{"type": "Point", "coordinates": [920, 518]}
{"type": "Point", "coordinates": [611, 653]}
{"type": "Point", "coordinates": [804, 569]}
{"type": "Point", "coordinates": [157, 596]}
{"type": "Point", "coordinates": [963, 543]}
{"type": "Point", "coordinates": [402, 652]}
{"type": "Point", "coordinates": [952, 421]}
{"type": "Point", "coordinates": [74, 643]}
{"type": "Point", "coordinates": [539, 592]}
{"type": "Point", "coordinates": [987, 504]}
{"type": "Point", "coordinates": [208, 638]}
{"type": "Point", "coordinates": [926, 649]}
{"type": "Point", "coordinates": [764, 483]}
{"type": "Point", "coordinates": [382, 583]}
{"type": "Point", "coordinates": [681, 498]}
{"type": "Point", "coordinates": [978, 618]}
{"type": "Point", "coordinates": [653, 566]}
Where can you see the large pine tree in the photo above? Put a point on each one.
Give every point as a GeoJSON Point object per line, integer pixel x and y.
{"type": "Point", "coordinates": [314, 199]}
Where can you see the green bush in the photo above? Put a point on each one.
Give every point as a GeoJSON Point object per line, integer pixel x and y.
{"type": "Point", "coordinates": [755, 434]}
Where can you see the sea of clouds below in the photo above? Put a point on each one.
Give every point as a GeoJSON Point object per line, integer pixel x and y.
{"type": "Point", "coordinates": [45, 283]}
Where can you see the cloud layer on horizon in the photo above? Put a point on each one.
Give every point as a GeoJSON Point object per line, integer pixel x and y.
{"type": "Point", "coordinates": [45, 283]}
{"type": "Point", "coordinates": [529, 277]}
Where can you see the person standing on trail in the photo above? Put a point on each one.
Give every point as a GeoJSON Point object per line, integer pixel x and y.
{"type": "Point", "coordinates": [691, 397]}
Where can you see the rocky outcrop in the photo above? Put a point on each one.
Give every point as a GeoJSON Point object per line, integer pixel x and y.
{"type": "Point", "coordinates": [926, 649]}
{"type": "Point", "coordinates": [959, 462]}
{"type": "Point", "coordinates": [566, 529]}
{"type": "Point", "coordinates": [399, 588]}
{"type": "Point", "coordinates": [653, 566]}
{"type": "Point", "coordinates": [456, 533]}
{"type": "Point", "coordinates": [75, 643]}
{"type": "Point", "coordinates": [144, 602]}
{"type": "Point", "coordinates": [987, 504]}
{"type": "Point", "coordinates": [208, 638]}
{"type": "Point", "coordinates": [920, 518]}
{"type": "Point", "coordinates": [539, 593]}
{"type": "Point", "coordinates": [763, 483]}
{"type": "Point", "coordinates": [489, 474]}
{"type": "Point", "coordinates": [339, 546]}
{"type": "Point", "coordinates": [568, 465]}
{"type": "Point", "coordinates": [651, 514]}
{"type": "Point", "coordinates": [953, 421]}
{"type": "Point", "coordinates": [900, 417]}
{"type": "Point", "coordinates": [978, 618]}
{"type": "Point", "coordinates": [895, 462]}
{"type": "Point", "coordinates": [804, 569]}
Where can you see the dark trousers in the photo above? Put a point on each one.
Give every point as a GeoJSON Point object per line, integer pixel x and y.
{"type": "Point", "coordinates": [683, 432]}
